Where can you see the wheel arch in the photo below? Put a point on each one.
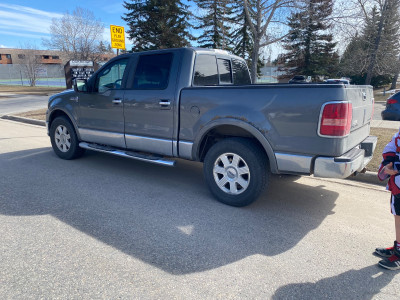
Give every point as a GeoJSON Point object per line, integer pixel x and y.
{"type": "Point", "coordinates": [225, 128]}
{"type": "Point", "coordinates": [59, 113]}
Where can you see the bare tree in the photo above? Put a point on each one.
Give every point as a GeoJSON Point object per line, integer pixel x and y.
{"type": "Point", "coordinates": [262, 15]}
{"type": "Point", "coordinates": [396, 74]}
{"type": "Point", "coordinates": [382, 45]}
{"type": "Point", "coordinates": [377, 42]}
{"type": "Point", "coordinates": [77, 34]}
{"type": "Point", "coordinates": [30, 61]}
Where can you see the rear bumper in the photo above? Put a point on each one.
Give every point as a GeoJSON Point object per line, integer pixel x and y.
{"type": "Point", "coordinates": [343, 166]}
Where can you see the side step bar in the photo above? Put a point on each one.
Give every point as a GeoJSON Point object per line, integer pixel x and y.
{"type": "Point", "coordinates": [129, 154]}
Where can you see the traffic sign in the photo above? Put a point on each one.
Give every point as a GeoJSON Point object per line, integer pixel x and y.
{"type": "Point", "coordinates": [117, 37]}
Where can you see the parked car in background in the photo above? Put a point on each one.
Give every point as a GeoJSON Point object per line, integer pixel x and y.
{"type": "Point", "coordinates": [337, 81]}
{"type": "Point", "coordinates": [392, 111]}
{"type": "Point", "coordinates": [300, 79]}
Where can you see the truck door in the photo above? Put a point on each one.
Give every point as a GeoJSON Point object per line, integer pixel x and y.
{"type": "Point", "coordinates": [101, 115]}
{"type": "Point", "coordinates": [149, 103]}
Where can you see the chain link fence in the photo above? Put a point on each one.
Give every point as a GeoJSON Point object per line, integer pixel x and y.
{"type": "Point", "coordinates": [47, 75]}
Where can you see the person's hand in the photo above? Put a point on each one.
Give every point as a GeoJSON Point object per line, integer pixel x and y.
{"type": "Point", "coordinates": [389, 169]}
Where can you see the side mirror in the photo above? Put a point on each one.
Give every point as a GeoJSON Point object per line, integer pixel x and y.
{"type": "Point", "coordinates": [80, 85]}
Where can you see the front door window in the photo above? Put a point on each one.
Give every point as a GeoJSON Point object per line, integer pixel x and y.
{"type": "Point", "coordinates": [111, 77]}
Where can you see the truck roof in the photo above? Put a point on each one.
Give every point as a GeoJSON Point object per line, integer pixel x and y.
{"type": "Point", "coordinates": [194, 49]}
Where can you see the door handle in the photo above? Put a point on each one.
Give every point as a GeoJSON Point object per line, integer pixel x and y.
{"type": "Point", "coordinates": [165, 102]}
{"type": "Point", "coordinates": [117, 101]}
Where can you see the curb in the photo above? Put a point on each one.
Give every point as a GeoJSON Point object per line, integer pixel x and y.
{"type": "Point", "coordinates": [367, 177]}
{"type": "Point", "coordinates": [24, 120]}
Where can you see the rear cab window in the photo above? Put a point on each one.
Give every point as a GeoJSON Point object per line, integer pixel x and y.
{"type": "Point", "coordinates": [210, 70]}
{"type": "Point", "coordinates": [241, 74]}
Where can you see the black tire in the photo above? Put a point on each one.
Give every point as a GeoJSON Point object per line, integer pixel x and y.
{"type": "Point", "coordinates": [247, 154]}
{"type": "Point", "coordinates": [64, 140]}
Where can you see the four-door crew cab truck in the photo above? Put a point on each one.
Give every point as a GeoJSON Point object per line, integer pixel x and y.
{"type": "Point", "coordinates": [200, 105]}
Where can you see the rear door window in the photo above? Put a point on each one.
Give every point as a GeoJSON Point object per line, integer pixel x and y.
{"type": "Point", "coordinates": [205, 71]}
{"type": "Point", "coordinates": [152, 72]}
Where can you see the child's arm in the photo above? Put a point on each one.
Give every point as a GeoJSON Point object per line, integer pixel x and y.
{"type": "Point", "coordinates": [389, 156]}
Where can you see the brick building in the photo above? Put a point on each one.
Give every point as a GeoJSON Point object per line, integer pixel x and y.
{"type": "Point", "coordinates": [17, 56]}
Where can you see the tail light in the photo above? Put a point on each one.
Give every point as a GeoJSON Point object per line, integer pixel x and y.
{"type": "Point", "coordinates": [335, 119]}
{"type": "Point", "coordinates": [391, 101]}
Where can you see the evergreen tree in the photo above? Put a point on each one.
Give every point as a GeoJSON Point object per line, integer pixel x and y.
{"type": "Point", "coordinates": [241, 36]}
{"type": "Point", "coordinates": [241, 33]}
{"type": "Point", "coordinates": [157, 24]}
{"type": "Point", "coordinates": [310, 49]}
{"type": "Point", "coordinates": [214, 23]}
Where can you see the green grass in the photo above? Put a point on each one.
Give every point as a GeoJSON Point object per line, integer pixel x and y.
{"type": "Point", "coordinates": [384, 136]}
{"type": "Point", "coordinates": [30, 90]}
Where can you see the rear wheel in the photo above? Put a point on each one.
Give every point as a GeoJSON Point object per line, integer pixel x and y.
{"type": "Point", "coordinates": [64, 139]}
{"type": "Point", "coordinates": [236, 171]}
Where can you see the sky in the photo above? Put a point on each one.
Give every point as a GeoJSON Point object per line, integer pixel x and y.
{"type": "Point", "coordinates": [28, 21]}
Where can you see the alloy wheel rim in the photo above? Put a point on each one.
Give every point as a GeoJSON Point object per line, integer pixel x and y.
{"type": "Point", "coordinates": [231, 173]}
{"type": "Point", "coordinates": [62, 138]}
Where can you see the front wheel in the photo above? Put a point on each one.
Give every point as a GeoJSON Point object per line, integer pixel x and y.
{"type": "Point", "coordinates": [236, 171]}
{"type": "Point", "coordinates": [64, 139]}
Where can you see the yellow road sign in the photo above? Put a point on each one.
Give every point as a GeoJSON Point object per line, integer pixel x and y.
{"type": "Point", "coordinates": [117, 37]}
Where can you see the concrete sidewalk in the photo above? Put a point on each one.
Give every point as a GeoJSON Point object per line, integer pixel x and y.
{"type": "Point", "coordinates": [385, 124]}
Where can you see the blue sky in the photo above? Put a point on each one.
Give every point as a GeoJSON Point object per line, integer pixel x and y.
{"type": "Point", "coordinates": [28, 21]}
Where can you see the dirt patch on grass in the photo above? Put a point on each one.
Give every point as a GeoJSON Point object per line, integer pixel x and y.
{"type": "Point", "coordinates": [29, 90]}
{"type": "Point", "coordinates": [384, 136]}
{"type": "Point", "coordinates": [39, 114]}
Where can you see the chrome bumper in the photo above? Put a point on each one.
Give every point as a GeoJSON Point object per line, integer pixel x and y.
{"type": "Point", "coordinates": [353, 161]}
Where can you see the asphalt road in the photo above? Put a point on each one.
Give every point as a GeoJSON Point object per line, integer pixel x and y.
{"type": "Point", "coordinates": [378, 108]}
{"type": "Point", "coordinates": [106, 227]}
{"type": "Point", "coordinates": [21, 103]}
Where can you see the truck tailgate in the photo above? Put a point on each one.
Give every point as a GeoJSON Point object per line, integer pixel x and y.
{"type": "Point", "coordinates": [361, 98]}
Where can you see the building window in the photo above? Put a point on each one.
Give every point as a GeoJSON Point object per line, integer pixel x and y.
{"type": "Point", "coordinates": [0, 56]}
{"type": "Point", "coordinates": [21, 56]}
{"type": "Point", "coordinates": [8, 56]}
{"type": "Point", "coordinates": [55, 57]}
{"type": "Point", "coordinates": [46, 57]}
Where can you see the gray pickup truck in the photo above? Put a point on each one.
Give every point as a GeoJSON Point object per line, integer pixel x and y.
{"type": "Point", "coordinates": [200, 105]}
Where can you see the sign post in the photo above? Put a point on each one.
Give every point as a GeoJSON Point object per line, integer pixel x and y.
{"type": "Point", "coordinates": [117, 37]}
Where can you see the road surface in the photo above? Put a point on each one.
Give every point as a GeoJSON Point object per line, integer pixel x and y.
{"type": "Point", "coordinates": [21, 103]}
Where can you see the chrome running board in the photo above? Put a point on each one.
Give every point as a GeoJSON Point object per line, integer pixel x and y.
{"type": "Point", "coordinates": [129, 154]}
